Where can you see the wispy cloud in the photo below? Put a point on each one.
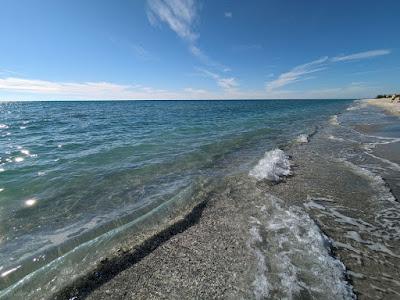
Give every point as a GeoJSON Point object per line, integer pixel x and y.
{"type": "Point", "coordinates": [205, 59]}
{"type": "Point", "coordinates": [178, 14]}
{"type": "Point", "coordinates": [362, 55]}
{"type": "Point", "coordinates": [181, 17]}
{"type": "Point", "coordinates": [13, 88]}
{"type": "Point", "coordinates": [6, 72]}
{"type": "Point", "coordinates": [228, 84]}
{"type": "Point", "coordinates": [141, 53]}
{"type": "Point", "coordinates": [30, 89]}
{"type": "Point", "coordinates": [302, 72]}
{"type": "Point", "coordinates": [297, 73]}
{"type": "Point", "coordinates": [43, 89]}
{"type": "Point", "coordinates": [228, 14]}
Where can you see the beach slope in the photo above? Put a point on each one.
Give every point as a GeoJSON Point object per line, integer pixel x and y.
{"type": "Point", "coordinates": [387, 104]}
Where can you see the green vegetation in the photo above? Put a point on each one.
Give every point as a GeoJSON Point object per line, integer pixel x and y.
{"type": "Point", "coordinates": [383, 96]}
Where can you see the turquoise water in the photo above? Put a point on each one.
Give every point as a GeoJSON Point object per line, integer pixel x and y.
{"type": "Point", "coordinates": [71, 172]}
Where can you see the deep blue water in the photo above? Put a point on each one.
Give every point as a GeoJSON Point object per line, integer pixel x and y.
{"type": "Point", "coordinates": [72, 171]}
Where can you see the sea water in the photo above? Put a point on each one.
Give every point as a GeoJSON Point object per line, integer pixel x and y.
{"type": "Point", "coordinates": [75, 177]}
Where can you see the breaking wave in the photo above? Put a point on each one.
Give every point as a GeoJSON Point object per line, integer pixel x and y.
{"type": "Point", "coordinates": [334, 120]}
{"type": "Point", "coordinates": [302, 139]}
{"type": "Point", "coordinates": [273, 166]}
{"type": "Point", "coordinates": [294, 257]}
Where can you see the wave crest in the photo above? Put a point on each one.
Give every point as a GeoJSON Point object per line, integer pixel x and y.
{"type": "Point", "coordinates": [273, 166]}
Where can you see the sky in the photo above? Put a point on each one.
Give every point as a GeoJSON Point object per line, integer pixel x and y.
{"type": "Point", "coordinates": [186, 49]}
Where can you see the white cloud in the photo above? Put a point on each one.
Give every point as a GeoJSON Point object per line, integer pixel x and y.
{"type": "Point", "coordinates": [297, 74]}
{"type": "Point", "coordinates": [178, 14]}
{"type": "Point", "coordinates": [31, 89]}
{"type": "Point", "coordinates": [12, 88]}
{"type": "Point", "coordinates": [228, 14]}
{"type": "Point", "coordinates": [228, 84]}
{"type": "Point", "coordinates": [301, 72]}
{"type": "Point", "coordinates": [181, 17]}
{"type": "Point", "coordinates": [42, 89]}
{"type": "Point", "coordinates": [362, 55]}
{"type": "Point", "coordinates": [202, 57]}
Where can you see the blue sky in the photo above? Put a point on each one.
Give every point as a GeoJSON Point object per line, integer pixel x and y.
{"type": "Point", "coordinates": [185, 49]}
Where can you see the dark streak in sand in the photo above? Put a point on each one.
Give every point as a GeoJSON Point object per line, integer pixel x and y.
{"type": "Point", "coordinates": [109, 268]}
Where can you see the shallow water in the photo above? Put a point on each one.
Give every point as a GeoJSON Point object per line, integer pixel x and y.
{"type": "Point", "coordinates": [77, 178]}
{"type": "Point", "coordinates": [307, 191]}
{"type": "Point", "coordinates": [348, 185]}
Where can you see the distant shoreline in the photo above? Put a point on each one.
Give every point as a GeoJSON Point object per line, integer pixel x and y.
{"type": "Point", "coordinates": [386, 104]}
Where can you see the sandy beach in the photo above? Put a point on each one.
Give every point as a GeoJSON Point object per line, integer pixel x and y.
{"type": "Point", "coordinates": [387, 104]}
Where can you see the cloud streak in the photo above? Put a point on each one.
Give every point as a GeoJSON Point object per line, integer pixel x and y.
{"type": "Point", "coordinates": [228, 14]}
{"type": "Point", "coordinates": [362, 55]}
{"type": "Point", "coordinates": [13, 88]}
{"type": "Point", "coordinates": [178, 14]}
{"type": "Point", "coordinates": [228, 84]}
{"type": "Point", "coordinates": [44, 90]}
{"type": "Point", "coordinates": [297, 73]}
{"type": "Point", "coordinates": [181, 17]}
{"type": "Point", "coordinates": [301, 72]}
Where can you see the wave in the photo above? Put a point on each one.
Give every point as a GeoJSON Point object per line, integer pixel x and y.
{"type": "Point", "coordinates": [273, 166]}
{"type": "Point", "coordinates": [334, 120]}
{"type": "Point", "coordinates": [303, 138]}
{"type": "Point", "coordinates": [375, 180]}
{"type": "Point", "coordinates": [358, 104]}
{"type": "Point", "coordinates": [293, 256]}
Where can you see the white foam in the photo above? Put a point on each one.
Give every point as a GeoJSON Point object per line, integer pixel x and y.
{"type": "Point", "coordinates": [334, 138]}
{"type": "Point", "coordinates": [376, 181]}
{"type": "Point", "coordinates": [334, 120]}
{"type": "Point", "coordinates": [302, 139]}
{"type": "Point", "coordinates": [391, 164]}
{"type": "Point", "coordinates": [386, 227]}
{"type": "Point", "coordinates": [261, 284]}
{"type": "Point", "coordinates": [297, 255]}
{"type": "Point", "coordinates": [3, 126]}
{"type": "Point", "coordinates": [273, 166]}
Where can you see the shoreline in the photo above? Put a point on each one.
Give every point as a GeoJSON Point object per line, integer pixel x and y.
{"type": "Point", "coordinates": [386, 104]}
{"type": "Point", "coordinates": [198, 256]}
{"type": "Point", "coordinates": [109, 267]}
{"type": "Point", "coordinates": [224, 244]}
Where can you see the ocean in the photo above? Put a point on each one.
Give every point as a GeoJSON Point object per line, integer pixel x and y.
{"type": "Point", "coordinates": [82, 182]}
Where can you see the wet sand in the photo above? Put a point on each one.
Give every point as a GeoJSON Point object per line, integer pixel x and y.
{"type": "Point", "coordinates": [208, 259]}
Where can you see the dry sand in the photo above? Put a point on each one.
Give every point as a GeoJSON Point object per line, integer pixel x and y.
{"type": "Point", "coordinates": [385, 103]}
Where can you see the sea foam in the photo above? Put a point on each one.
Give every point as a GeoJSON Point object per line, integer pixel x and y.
{"type": "Point", "coordinates": [302, 139]}
{"type": "Point", "coordinates": [334, 120]}
{"type": "Point", "coordinates": [293, 256]}
{"type": "Point", "coordinates": [273, 166]}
